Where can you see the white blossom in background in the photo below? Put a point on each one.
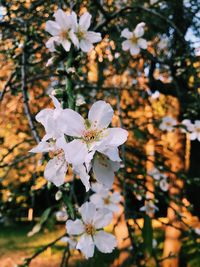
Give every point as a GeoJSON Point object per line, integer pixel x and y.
{"type": "Point", "coordinates": [149, 208]}
{"type": "Point", "coordinates": [62, 215]}
{"type": "Point", "coordinates": [61, 30]}
{"type": "Point", "coordinates": [161, 178]}
{"type": "Point", "coordinates": [168, 124]}
{"type": "Point", "coordinates": [89, 230]}
{"type": "Point", "coordinates": [134, 41]}
{"type": "Point", "coordinates": [197, 231]}
{"type": "Point", "coordinates": [152, 2]}
{"type": "Point", "coordinates": [187, 126]}
{"type": "Point", "coordinates": [103, 198]}
{"type": "Point", "coordinates": [80, 100]}
{"type": "Point", "coordinates": [164, 185]}
{"type": "Point", "coordinates": [155, 173]}
{"type": "Point", "coordinates": [195, 131]}
{"type": "Point", "coordinates": [84, 39]}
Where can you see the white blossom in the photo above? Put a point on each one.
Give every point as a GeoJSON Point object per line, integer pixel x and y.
{"type": "Point", "coordinates": [168, 124]}
{"type": "Point", "coordinates": [149, 208]}
{"type": "Point", "coordinates": [89, 230]}
{"type": "Point", "coordinates": [93, 135]}
{"type": "Point", "coordinates": [187, 126]}
{"type": "Point", "coordinates": [195, 130]}
{"type": "Point", "coordinates": [197, 231]}
{"type": "Point", "coordinates": [84, 39]}
{"type": "Point", "coordinates": [134, 41]}
{"type": "Point", "coordinates": [61, 30]}
{"type": "Point", "coordinates": [164, 185]}
{"type": "Point", "coordinates": [103, 198]}
{"type": "Point", "coordinates": [62, 215]}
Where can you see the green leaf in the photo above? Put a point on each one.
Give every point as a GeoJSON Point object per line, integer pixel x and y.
{"type": "Point", "coordinates": [70, 208]}
{"type": "Point", "coordinates": [147, 233]}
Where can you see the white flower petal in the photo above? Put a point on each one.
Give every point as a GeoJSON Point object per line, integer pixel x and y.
{"type": "Point", "coordinates": [76, 152]}
{"type": "Point", "coordinates": [50, 44]}
{"type": "Point", "coordinates": [100, 114]}
{"type": "Point", "coordinates": [142, 43]}
{"type": "Point", "coordinates": [62, 19]}
{"type": "Point", "coordinates": [55, 102]}
{"type": "Point", "coordinates": [193, 136]}
{"type": "Point", "coordinates": [93, 37]}
{"type": "Point", "coordinates": [103, 171]}
{"type": "Point", "coordinates": [116, 136]}
{"type": "Point", "coordinates": [74, 38]}
{"type": "Point", "coordinates": [85, 20]}
{"type": "Point", "coordinates": [41, 147]}
{"type": "Point", "coordinates": [55, 171]}
{"type": "Point", "coordinates": [135, 50]}
{"type": "Point", "coordinates": [44, 115]}
{"type": "Point", "coordinates": [80, 170]}
{"type": "Point", "coordinates": [126, 45]}
{"type": "Point", "coordinates": [126, 33]}
{"type": "Point", "coordinates": [102, 218]}
{"type": "Point", "coordinates": [71, 123]}
{"type": "Point", "coordinates": [87, 211]}
{"type": "Point", "coordinates": [74, 23]}
{"type": "Point", "coordinates": [86, 245]}
{"type": "Point", "coordinates": [66, 45]}
{"type": "Point", "coordinates": [115, 197]}
{"type": "Point", "coordinates": [85, 45]}
{"type": "Point", "coordinates": [52, 27]}
{"type": "Point", "coordinates": [74, 227]}
{"type": "Point", "coordinates": [139, 29]}
{"type": "Point", "coordinates": [97, 200]}
{"type": "Point", "coordinates": [112, 153]}
{"type": "Point", "coordinates": [105, 242]}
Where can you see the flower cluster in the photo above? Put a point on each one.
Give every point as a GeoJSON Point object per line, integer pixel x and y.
{"type": "Point", "coordinates": [160, 178]}
{"type": "Point", "coordinates": [67, 30]}
{"type": "Point", "coordinates": [134, 41]}
{"type": "Point", "coordinates": [169, 124]}
{"type": "Point", "coordinates": [93, 147]}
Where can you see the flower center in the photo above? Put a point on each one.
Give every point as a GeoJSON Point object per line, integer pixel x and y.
{"type": "Point", "coordinates": [81, 34]}
{"type": "Point", "coordinates": [89, 229]}
{"type": "Point", "coordinates": [59, 153]}
{"type": "Point", "coordinates": [90, 135]}
{"type": "Point", "coordinates": [198, 130]}
{"type": "Point", "coordinates": [168, 124]}
{"type": "Point", "coordinates": [134, 40]}
{"type": "Point", "coordinates": [64, 34]}
{"type": "Point", "coordinates": [106, 200]}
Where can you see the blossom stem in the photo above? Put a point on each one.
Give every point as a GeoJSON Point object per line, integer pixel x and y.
{"type": "Point", "coordinates": [69, 84]}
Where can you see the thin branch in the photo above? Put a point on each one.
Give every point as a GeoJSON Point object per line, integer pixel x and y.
{"type": "Point", "coordinates": [7, 84]}
{"type": "Point", "coordinates": [27, 261]}
{"type": "Point", "coordinates": [16, 161]}
{"type": "Point", "coordinates": [25, 97]}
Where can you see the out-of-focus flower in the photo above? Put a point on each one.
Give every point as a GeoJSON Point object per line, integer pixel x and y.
{"type": "Point", "coordinates": [134, 41]}
{"type": "Point", "coordinates": [89, 229]}
{"type": "Point", "coordinates": [168, 124]}
{"type": "Point", "coordinates": [195, 130]}
{"type": "Point", "coordinates": [197, 231]}
{"type": "Point", "coordinates": [103, 198]}
{"type": "Point", "coordinates": [62, 215]}
{"type": "Point", "coordinates": [187, 126]}
{"type": "Point", "coordinates": [150, 208]}
{"type": "Point", "coordinates": [164, 185]}
{"type": "Point", "coordinates": [80, 100]}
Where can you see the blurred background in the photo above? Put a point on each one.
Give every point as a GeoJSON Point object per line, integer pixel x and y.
{"type": "Point", "coordinates": [162, 80]}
